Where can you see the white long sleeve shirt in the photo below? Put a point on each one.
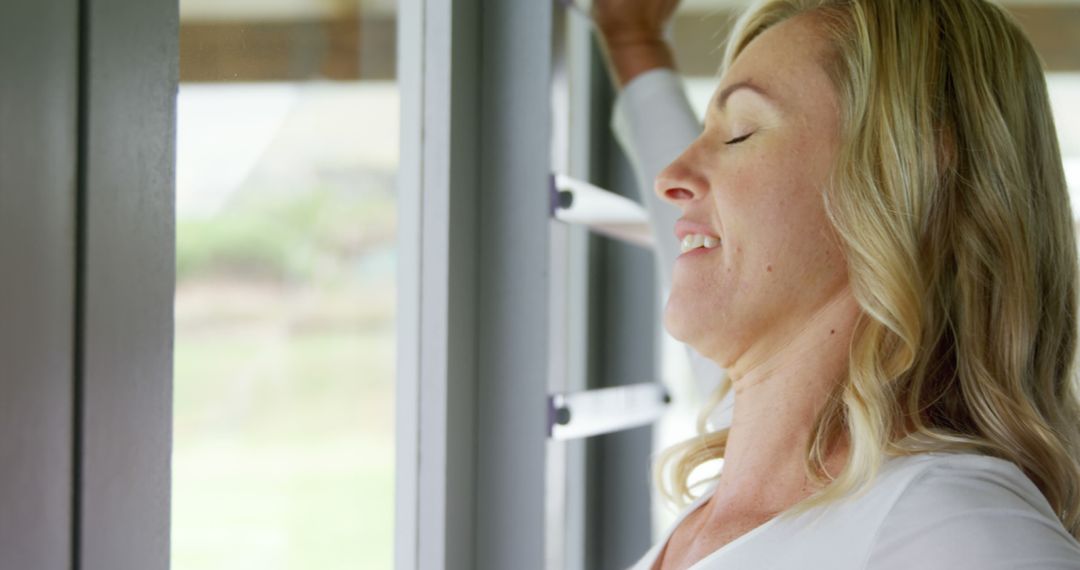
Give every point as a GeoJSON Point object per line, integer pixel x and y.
{"type": "Point", "coordinates": [928, 512]}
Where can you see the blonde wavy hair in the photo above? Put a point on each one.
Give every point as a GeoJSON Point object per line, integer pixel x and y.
{"type": "Point", "coordinates": [950, 200]}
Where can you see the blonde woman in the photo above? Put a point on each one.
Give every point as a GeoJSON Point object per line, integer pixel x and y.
{"type": "Point", "coordinates": [877, 248]}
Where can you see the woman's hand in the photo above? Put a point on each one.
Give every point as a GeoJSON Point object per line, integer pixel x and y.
{"type": "Point", "coordinates": [632, 34]}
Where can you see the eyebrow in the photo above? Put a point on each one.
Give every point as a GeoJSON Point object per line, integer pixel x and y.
{"type": "Point", "coordinates": [721, 100]}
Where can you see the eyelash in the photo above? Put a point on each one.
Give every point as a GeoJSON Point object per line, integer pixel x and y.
{"type": "Point", "coordinates": [738, 140]}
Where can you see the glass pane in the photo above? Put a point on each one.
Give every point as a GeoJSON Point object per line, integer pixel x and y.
{"type": "Point", "coordinates": [286, 220]}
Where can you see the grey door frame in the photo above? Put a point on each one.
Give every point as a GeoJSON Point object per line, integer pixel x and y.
{"type": "Point", "coordinates": [126, 283]}
{"type": "Point", "coordinates": [38, 165]}
{"type": "Point", "coordinates": [86, 249]}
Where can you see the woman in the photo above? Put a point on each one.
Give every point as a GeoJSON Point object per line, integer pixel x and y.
{"type": "Point", "coordinates": [879, 251]}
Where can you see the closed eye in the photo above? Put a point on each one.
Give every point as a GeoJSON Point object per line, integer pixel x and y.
{"type": "Point", "coordinates": [739, 139]}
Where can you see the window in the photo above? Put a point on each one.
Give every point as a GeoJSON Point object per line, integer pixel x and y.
{"type": "Point", "coordinates": [285, 301]}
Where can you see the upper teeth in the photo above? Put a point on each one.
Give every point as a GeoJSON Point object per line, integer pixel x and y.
{"type": "Point", "coordinates": [694, 241]}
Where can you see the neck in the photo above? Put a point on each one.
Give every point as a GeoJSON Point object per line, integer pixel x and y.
{"type": "Point", "coordinates": [778, 395]}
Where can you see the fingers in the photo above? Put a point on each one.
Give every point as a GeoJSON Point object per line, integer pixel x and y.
{"type": "Point", "coordinates": [632, 21]}
{"type": "Point", "coordinates": [632, 35]}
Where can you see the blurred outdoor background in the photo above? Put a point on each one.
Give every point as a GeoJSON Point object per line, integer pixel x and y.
{"type": "Point", "coordinates": [287, 153]}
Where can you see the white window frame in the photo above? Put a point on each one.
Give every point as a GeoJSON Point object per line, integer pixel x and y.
{"type": "Point", "coordinates": [473, 293]}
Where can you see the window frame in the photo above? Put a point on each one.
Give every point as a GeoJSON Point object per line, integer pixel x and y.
{"type": "Point", "coordinates": [473, 305]}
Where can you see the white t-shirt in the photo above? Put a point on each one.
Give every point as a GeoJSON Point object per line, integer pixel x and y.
{"type": "Point", "coordinates": [933, 511]}
{"type": "Point", "coordinates": [926, 512]}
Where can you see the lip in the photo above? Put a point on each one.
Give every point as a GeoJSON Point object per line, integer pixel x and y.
{"type": "Point", "coordinates": [685, 227]}
{"type": "Point", "coordinates": [697, 251]}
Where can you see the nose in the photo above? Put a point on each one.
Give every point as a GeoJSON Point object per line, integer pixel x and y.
{"type": "Point", "coordinates": [681, 182]}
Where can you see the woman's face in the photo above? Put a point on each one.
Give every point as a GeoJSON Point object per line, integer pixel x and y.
{"type": "Point", "coordinates": [754, 179]}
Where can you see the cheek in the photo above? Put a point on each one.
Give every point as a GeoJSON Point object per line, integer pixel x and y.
{"type": "Point", "coordinates": [807, 263]}
{"type": "Point", "coordinates": [782, 185]}
{"type": "Point", "coordinates": [781, 239]}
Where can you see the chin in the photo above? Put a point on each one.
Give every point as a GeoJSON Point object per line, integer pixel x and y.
{"type": "Point", "coordinates": [685, 326]}
{"type": "Point", "coordinates": [691, 329]}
